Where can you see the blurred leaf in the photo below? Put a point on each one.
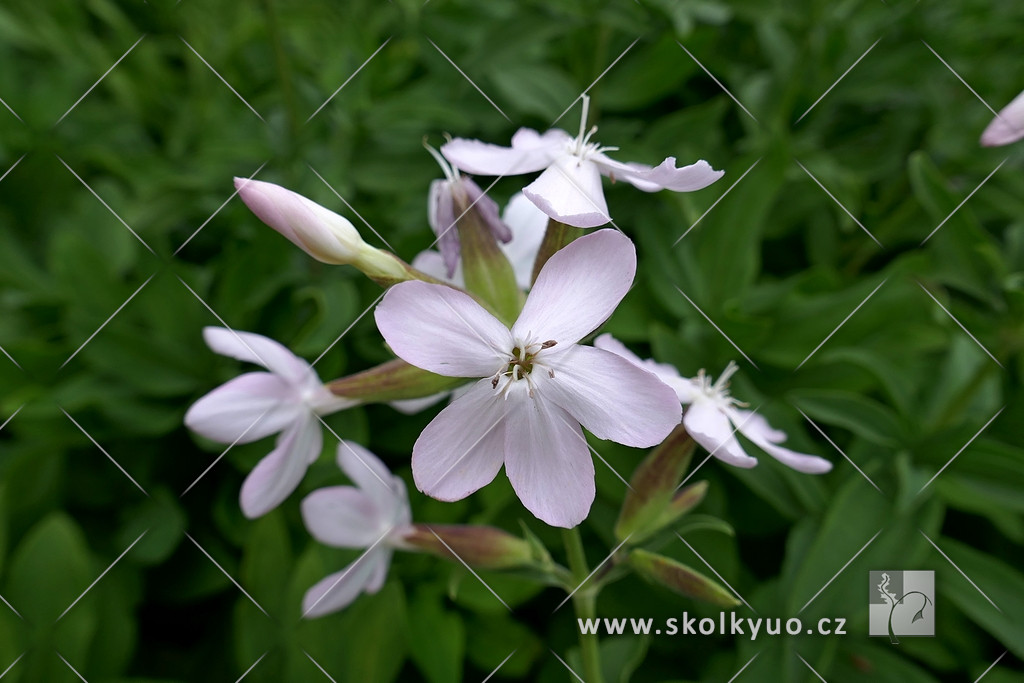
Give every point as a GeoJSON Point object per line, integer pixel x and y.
{"type": "Point", "coordinates": [437, 639]}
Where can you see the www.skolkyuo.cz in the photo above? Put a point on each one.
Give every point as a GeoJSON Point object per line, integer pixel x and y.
{"type": "Point", "coordinates": [727, 623]}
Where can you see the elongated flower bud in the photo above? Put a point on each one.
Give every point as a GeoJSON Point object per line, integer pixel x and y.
{"type": "Point", "coordinates": [482, 547]}
{"type": "Point", "coordinates": [394, 380]}
{"type": "Point", "coordinates": [677, 577]}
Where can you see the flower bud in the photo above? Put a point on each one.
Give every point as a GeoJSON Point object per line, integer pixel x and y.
{"type": "Point", "coordinates": [677, 577]}
{"type": "Point", "coordinates": [319, 232]}
{"type": "Point", "coordinates": [652, 486]}
{"type": "Point", "coordinates": [482, 547]}
{"type": "Point", "coordinates": [394, 380]}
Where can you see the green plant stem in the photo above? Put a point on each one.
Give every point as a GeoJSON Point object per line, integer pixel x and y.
{"type": "Point", "coordinates": [584, 603]}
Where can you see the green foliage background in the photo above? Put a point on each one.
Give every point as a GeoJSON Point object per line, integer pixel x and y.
{"type": "Point", "coordinates": [777, 265]}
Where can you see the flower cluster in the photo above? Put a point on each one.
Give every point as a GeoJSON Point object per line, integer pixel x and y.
{"type": "Point", "coordinates": [497, 319]}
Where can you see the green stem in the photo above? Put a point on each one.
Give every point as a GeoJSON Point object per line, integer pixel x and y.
{"type": "Point", "coordinates": [584, 602]}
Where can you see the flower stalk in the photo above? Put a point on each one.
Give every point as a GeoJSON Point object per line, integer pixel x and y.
{"type": "Point", "coordinates": [584, 602]}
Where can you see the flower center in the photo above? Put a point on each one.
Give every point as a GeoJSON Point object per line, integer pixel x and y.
{"type": "Point", "coordinates": [581, 146]}
{"type": "Point", "coordinates": [719, 391]}
{"type": "Point", "coordinates": [520, 365]}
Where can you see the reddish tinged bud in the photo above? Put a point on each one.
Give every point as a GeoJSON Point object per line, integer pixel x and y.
{"type": "Point", "coordinates": [481, 547]}
{"type": "Point", "coordinates": [677, 577]}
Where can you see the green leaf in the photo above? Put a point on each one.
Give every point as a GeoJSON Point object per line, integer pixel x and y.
{"type": "Point", "coordinates": [161, 519]}
{"type": "Point", "coordinates": [437, 639]}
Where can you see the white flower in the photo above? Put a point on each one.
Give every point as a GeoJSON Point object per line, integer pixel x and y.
{"type": "Point", "coordinates": [538, 384]}
{"type": "Point", "coordinates": [374, 514]}
{"type": "Point", "coordinates": [287, 399]}
{"type": "Point", "coordinates": [713, 415]}
{"type": "Point", "coordinates": [1007, 126]}
{"type": "Point", "coordinates": [569, 190]}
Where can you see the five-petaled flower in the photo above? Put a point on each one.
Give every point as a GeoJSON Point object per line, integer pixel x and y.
{"type": "Point", "coordinates": [538, 384]}
{"type": "Point", "coordinates": [714, 417]}
{"type": "Point", "coordinates": [287, 399]}
{"type": "Point", "coordinates": [374, 514]}
{"type": "Point", "coordinates": [569, 190]}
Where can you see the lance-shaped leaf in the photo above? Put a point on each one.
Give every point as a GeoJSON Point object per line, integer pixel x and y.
{"type": "Point", "coordinates": [392, 381]}
{"type": "Point", "coordinates": [677, 577]}
{"type": "Point", "coordinates": [482, 547]}
{"type": "Point", "coordinates": [651, 488]}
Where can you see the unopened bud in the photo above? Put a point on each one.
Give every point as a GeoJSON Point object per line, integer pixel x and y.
{"type": "Point", "coordinates": [394, 380]}
{"type": "Point", "coordinates": [677, 577]}
{"type": "Point", "coordinates": [652, 487]}
{"type": "Point", "coordinates": [482, 547]}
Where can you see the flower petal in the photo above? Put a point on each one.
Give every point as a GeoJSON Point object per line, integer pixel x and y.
{"type": "Point", "coordinates": [442, 330]}
{"type": "Point", "coordinates": [578, 288]}
{"type": "Point", "coordinates": [611, 397]}
{"type": "Point", "coordinates": [664, 176]}
{"type": "Point", "coordinates": [548, 462]}
{"type": "Point", "coordinates": [372, 477]}
{"type": "Point", "coordinates": [686, 389]}
{"type": "Point", "coordinates": [279, 473]}
{"type": "Point", "coordinates": [343, 517]}
{"type": "Point", "coordinates": [528, 225]}
{"type": "Point", "coordinates": [441, 218]}
{"type": "Point", "coordinates": [244, 409]}
{"type": "Point", "coordinates": [711, 429]}
{"type": "Point", "coordinates": [462, 449]}
{"type": "Point", "coordinates": [487, 208]}
{"type": "Point", "coordinates": [337, 591]}
{"type": "Point", "coordinates": [530, 151]}
{"type": "Point", "coordinates": [1007, 126]}
{"type": "Point", "coordinates": [255, 348]}
{"type": "Point", "coordinates": [432, 263]}
{"type": "Point", "coordinates": [411, 406]}
{"type": "Point", "coordinates": [570, 191]}
{"type": "Point", "coordinates": [762, 435]}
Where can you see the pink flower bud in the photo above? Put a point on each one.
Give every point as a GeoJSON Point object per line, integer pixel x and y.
{"type": "Point", "coordinates": [483, 547]}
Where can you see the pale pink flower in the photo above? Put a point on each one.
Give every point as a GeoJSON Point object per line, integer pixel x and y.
{"type": "Point", "coordinates": [538, 384]}
{"type": "Point", "coordinates": [713, 416]}
{"type": "Point", "coordinates": [1007, 126]}
{"type": "Point", "coordinates": [287, 399]}
{"type": "Point", "coordinates": [374, 514]}
{"type": "Point", "coordinates": [569, 189]}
